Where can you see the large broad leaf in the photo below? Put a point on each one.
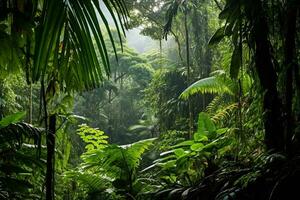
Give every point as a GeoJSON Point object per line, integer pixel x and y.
{"type": "Point", "coordinates": [180, 152]}
{"type": "Point", "coordinates": [206, 127]}
{"type": "Point", "coordinates": [218, 36]}
{"type": "Point", "coordinates": [11, 119]}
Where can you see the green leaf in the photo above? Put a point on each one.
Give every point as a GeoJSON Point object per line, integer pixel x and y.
{"type": "Point", "coordinates": [206, 126]}
{"type": "Point", "coordinates": [217, 37]}
{"type": "Point", "coordinates": [179, 152]}
{"type": "Point", "coordinates": [210, 85]}
{"type": "Point", "coordinates": [236, 62]}
{"type": "Point", "coordinates": [184, 143]}
{"type": "Point", "coordinates": [197, 147]}
{"type": "Point", "coordinates": [221, 131]}
{"type": "Point", "coordinates": [200, 137]}
{"type": "Point", "coordinates": [169, 164]}
{"type": "Point", "coordinates": [10, 119]}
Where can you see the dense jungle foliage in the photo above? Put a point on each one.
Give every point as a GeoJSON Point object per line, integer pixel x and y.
{"type": "Point", "coordinates": [210, 109]}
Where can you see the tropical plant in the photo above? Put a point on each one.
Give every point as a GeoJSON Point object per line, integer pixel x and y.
{"type": "Point", "coordinates": [21, 163]}
{"type": "Point", "coordinates": [245, 20]}
{"type": "Point", "coordinates": [109, 167]}
{"type": "Point", "coordinates": [186, 162]}
{"type": "Point", "coordinates": [229, 93]}
{"type": "Point", "coordinates": [64, 54]}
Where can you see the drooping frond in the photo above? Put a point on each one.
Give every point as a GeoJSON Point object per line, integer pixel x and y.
{"type": "Point", "coordinates": [173, 7]}
{"type": "Point", "coordinates": [114, 158]}
{"type": "Point", "coordinates": [212, 85]}
{"type": "Point", "coordinates": [214, 104]}
{"type": "Point", "coordinates": [94, 182]}
{"type": "Point", "coordinates": [18, 160]}
{"type": "Point", "coordinates": [13, 132]}
{"type": "Point", "coordinates": [225, 112]}
{"type": "Point", "coordinates": [71, 40]}
{"type": "Point", "coordinates": [135, 151]}
{"type": "Point", "coordinates": [16, 133]}
{"type": "Point", "coordinates": [221, 108]}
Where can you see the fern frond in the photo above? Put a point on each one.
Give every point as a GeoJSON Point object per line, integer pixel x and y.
{"type": "Point", "coordinates": [135, 151]}
{"type": "Point", "coordinates": [94, 138]}
{"type": "Point", "coordinates": [93, 181]}
{"type": "Point", "coordinates": [224, 113]}
{"type": "Point", "coordinates": [214, 104]}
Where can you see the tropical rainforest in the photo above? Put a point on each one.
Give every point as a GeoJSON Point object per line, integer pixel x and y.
{"type": "Point", "coordinates": [149, 99]}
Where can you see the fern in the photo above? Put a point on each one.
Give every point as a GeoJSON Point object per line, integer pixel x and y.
{"type": "Point", "coordinates": [224, 113]}
{"type": "Point", "coordinates": [94, 138]}
{"type": "Point", "coordinates": [134, 151]}
{"type": "Point", "coordinates": [108, 163]}
{"type": "Point", "coordinates": [213, 106]}
{"type": "Point", "coordinates": [114, 158]}
{"type": "Point", "coordinates": [93, 181]}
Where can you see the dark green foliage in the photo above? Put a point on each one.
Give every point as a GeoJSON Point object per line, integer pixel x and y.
{"type": "Point", "coordinates": [222, 97]}
{"type": "Point", "coordinates": [20, 159]}
{"type": "Point", "coordinates": [109, 168]}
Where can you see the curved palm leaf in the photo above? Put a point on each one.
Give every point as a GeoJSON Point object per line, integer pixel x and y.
{"type": "Point", "coordinates": [207, 85]}
{"type": "Point", "coordinates": [69, 40]}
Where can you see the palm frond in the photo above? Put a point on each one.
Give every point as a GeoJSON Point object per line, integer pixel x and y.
{"type": "Point", "coordinates": [212, 85]}
{"type": "Point", "coordinates": [173, 7]}
{"type": "Point", "coordinates": [72, 40]}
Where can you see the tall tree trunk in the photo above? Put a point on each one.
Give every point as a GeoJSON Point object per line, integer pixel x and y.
{"type": "Point", "coordinates": [50, 158]}
{"type": "Point", "coordinates": [289, 63]}
{"type": "Point", "coordinates": [30, 103]}
{"type": "Point", "coordinates": [265, 68]}
{"type": "Point", "coordinates": [28, 75]}
{"type": "Point", "coordinates": [187, 44]}
{"type": "Point", "coordinates": [1, 97]}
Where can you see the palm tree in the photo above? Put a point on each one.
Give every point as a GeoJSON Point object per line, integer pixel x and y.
{"type": "Point", "coordinates": [63, 39]}
{"type": "Point", "coordinates": [73, 53]}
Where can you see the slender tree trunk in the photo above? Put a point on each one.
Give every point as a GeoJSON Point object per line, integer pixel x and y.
{"type": "Point", "coordinates": [30, 103]}
{"type": "Point", "coordinates": [1, 97]}
{"type": "Point", "coordinates": [265, 68]}
{"type": "Point", "coordinates": [187, 43]}
{"type": "Point", "coordinates": [297, 79]}
{"type": "Point", "coordinates": [178, 45]}
{"type": "Point", "coordinates": [160, 53]}
{"type": "Point", "coordinates": [50, 158]}
{"type": "Point", "coordinates": [290, 58]}
{"type": "Point", "coordinates": [28, 76]}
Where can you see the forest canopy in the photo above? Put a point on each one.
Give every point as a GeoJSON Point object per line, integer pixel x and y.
{"type": "Point", "coordinates": [209, 109]}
